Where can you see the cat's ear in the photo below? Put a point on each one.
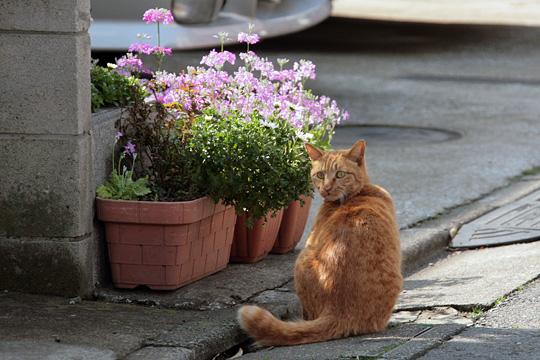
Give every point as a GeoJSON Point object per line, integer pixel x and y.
{"type": "Point", "coordinates": [313, 152]}
{"type": "Point", "coordinates": [356, 153]}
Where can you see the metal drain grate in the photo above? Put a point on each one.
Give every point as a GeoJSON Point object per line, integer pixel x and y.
{"type": "Point", "coordinates": [516, 222]}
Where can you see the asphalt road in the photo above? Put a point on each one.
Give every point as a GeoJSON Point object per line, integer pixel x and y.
{"type": "Point", "coordinates": [479, 85]}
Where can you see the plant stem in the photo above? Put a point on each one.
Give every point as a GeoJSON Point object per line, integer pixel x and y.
{"type": "Point", "coordinates": [158, 36]}
{"type": "Point", "coordinates": [159, 55]}
{"type": "Point", "coordinates": [112, 158]}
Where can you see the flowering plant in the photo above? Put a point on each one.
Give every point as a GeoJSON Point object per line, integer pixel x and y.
{"type": "Point", "coordinates": [232, 127]}
{"type": "Point", "coordinates": [108, 88]}
{"type": "Point", "coordinates": [256, 86]}
{"type": "Point", "coordinates": [258, 166]}
{"type": "Point", "coordinates": [120, 184]}
{"type": "Point", "coordinates": [165, 157]}
{"type": "Point", "coordinates": [131, 63]}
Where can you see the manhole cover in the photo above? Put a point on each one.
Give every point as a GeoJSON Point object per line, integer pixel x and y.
{"type": "Point", "coordinates": [345, 136]}
{"type": "Point", "coordinates": [517, 222]}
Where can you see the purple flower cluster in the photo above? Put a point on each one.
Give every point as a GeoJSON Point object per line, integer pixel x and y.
{"type": "Point", "coordinates": [152, 16]}
{"type": "Point", "coordinates": [130, 149]}
{"type": "Point", "coordinates": [129, 64]}
{"type": "Point", "coordinates": [158, 16]}
{"type": "Point", "coordinates": [254, 87]}
{"type": "Point", "coordinates": [218, 59]}
{"type": "Point", "coordinates": [148, 49]}
{"type": "Point", "coordinates": [248, 38]}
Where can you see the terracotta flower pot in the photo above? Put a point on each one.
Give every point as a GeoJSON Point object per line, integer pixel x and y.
{"type": "Point", "coordinates": [292, 226]}
{"type": "Point", "coordinates": [252, 245]}
{"type": "Point", "coordinates": [165, 245]}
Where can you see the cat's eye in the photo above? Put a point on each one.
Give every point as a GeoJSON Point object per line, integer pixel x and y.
{"type": "Point", "coordinates": [320, 175]}
{"type": "Point", "coordinates": [340, 174]}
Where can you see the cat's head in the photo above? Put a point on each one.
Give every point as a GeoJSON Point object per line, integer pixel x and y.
{"type": "Point", "coordinates": [339, 174]}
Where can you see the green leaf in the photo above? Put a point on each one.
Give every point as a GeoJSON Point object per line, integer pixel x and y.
{"type": "Point", "coordinates": [248, 165]}
{"type": "Point", "coordinates": [104, 192]}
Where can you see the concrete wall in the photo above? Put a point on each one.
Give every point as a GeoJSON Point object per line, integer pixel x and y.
{"type": "Point", "coordinates": [103, 130]}
{"type": "Point", "coordinates": [46, 173]}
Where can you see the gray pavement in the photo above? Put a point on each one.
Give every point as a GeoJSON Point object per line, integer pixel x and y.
{"type": "Point", "coordinates": [438, 304]}
{"type": "Point", "coordinates": [509, 331]}
{"type": "Point", "coordinates": [475, 278]}
{"type": "Point", "coordinates": [434, 307]}
{"type": "Point", "coordinates": [55, 328]}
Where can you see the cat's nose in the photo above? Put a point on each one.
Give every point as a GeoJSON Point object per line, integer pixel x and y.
{"type": "Point", "coordinates": [327, 187]}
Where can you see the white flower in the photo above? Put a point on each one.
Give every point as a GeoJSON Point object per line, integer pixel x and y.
{"type": "Point", "coordinates": [282, 62]}
{"type": "Point", "coordinates": [222, 36]}
{"type": "Point", "coordinates": [268, 124]}
{"type": "Point", "coordinates": [305, 137]}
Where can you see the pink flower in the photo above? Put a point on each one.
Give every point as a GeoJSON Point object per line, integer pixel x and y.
{"type": "Point", "coordinates": [161, 50]}
{"type": "Point", "coordinates": [129, 64]}
{"type": "Point", "coordinates": [129, 60]}
{"type": "Point", "coordinates": [141, 48]}
{"type": "Point", "coordinates": [249, 57]}
{"type": "Point", "coordinates": [148, 49]}
{"type": "Point", "coordinates": [305, 69]}
{"type": "Point", "coordinates": [217, 59]}
{"type": "Point", "coordinates": [248, 38]}
{"type": "Point", "coordinates": [264, 66]}
{"type": "Point", "coordinates": [160, 16]}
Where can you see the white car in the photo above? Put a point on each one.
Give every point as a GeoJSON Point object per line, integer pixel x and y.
{"type": "Point", "coordinates": [116, 23]}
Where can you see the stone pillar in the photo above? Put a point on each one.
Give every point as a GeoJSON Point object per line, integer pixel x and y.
{"type": "Point", "coordinates": [46, 180]}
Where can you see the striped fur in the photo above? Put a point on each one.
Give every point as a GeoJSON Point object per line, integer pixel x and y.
{"type": "Point", "coordinates": [348, 276]}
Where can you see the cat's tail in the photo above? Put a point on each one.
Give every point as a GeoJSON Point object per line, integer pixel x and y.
{"type": "Point", "coordinates": [266, 329]}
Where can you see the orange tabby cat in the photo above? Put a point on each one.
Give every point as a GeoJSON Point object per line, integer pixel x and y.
{"type": "Point", "coordinates": [348, 276]}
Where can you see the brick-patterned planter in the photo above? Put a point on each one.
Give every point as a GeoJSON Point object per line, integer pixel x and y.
{"type": "Point", "coordinates": [165, 245]}
{"type": "Point", "coordinates": [252, 245]}
{"type": "Point", "coordinates": [292, 226]}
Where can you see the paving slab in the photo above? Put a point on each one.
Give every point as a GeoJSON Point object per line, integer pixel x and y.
{"type": "Point", "coordinates": [218, 330]}
{"type": "Point", "coordinates": [486, 343]}
{"type": "Point", "coordinates": [57, 326]}
{"type": "Point", "coordinates": [232, 286]}
{"type": "Point", "coordinates": [411, 334]}
{"type": "Point", "coordinates": [108, 327]}
{"type": "Point", "coordinates": [472, 278]}
{"type": "Point", "coordinates": [510, 330]}
{"type": "Point", "coordinates": [520, 311]}
{"type": "Point", "coordinates": [39, 350]}
{"type": "Point", "coordinates": [162, 353]}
